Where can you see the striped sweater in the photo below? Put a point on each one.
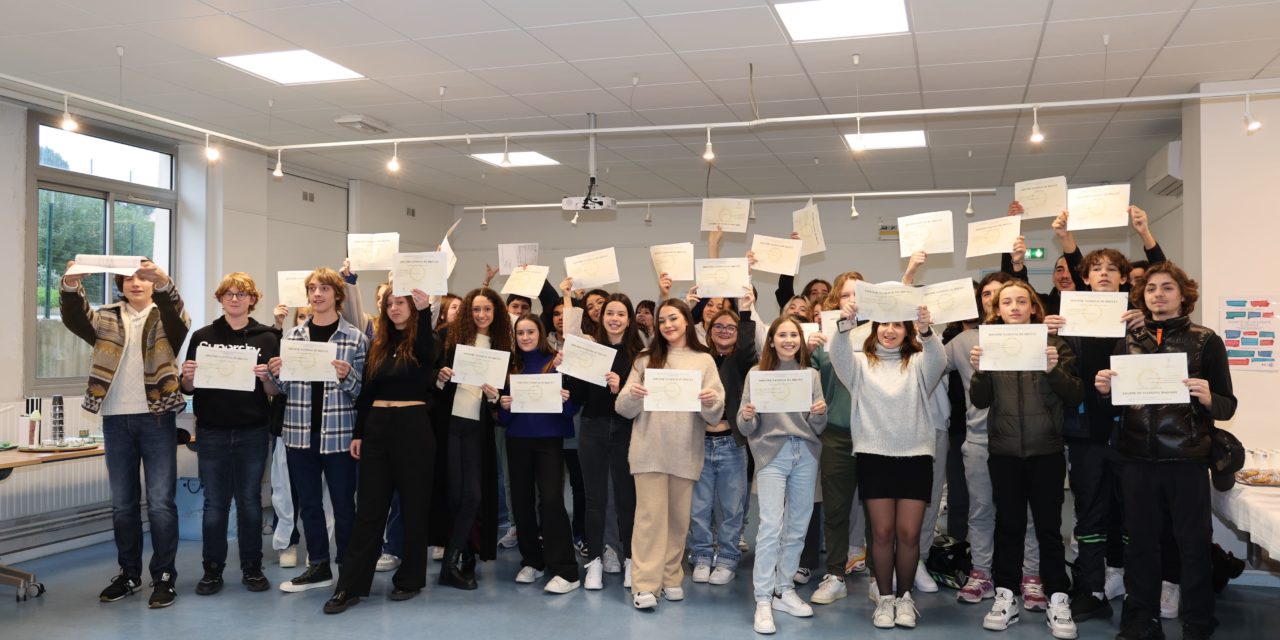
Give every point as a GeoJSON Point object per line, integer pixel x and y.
{"type": "Point", "coordinates": [163, 333]}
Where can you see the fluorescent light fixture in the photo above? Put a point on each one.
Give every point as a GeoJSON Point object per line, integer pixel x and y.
{"type": "Point", "coordinates": [830, 19]}
{"type": "Point", "coordinates": [291, 67]}
{"type": "Point", "coordinates": [887, 140]}
{"type": "Point", "coordinates": [515, 159]}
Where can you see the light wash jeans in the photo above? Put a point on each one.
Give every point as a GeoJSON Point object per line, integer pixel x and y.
{"type": "Point", "coordinates": [785, 489]}
{"type": "Point", "coordinates": [982, 514]}
{"type": "Point", "coordinates": [720, 488]}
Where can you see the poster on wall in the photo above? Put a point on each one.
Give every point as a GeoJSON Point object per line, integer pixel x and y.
{"type": "Point", "coordinates": [1247, 325]}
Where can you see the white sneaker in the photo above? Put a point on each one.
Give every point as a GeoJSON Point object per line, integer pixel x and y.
{"type": "Point", "coordinates": [611, 562]}
{"type": "Point", "coordinates": [802, 576]}
{"type": "Point", "coordinates": [387, 562]}
{"type": "Point", "coordinates": [1170, 598]}
{"type": "Point", "coordinates": [508, 539]}
{"type": "Point", "coordinates": [528, 575]}
{"type": "Point", "coordinates": [831, 589]}
{"type": "Point", "coordinates": [673, 594]}
{"type": "Point", "coordinates": [1114, 586]}
{"type": "Point", "coordinates": [701, 573]}
{"type": "Point", "coordinates": [923, 581]}
{"type": "Point", "coordinates": [883, 618]}
{"type": "Point", "coordinates": [1059, 617]}
{"type": "Point", "coordinates": [289, 557]}
{"type": "Point", "coordinates": [626, 574]}
{"type": "Point", "coordinates": [789, 602]}
{"type": "Point", "coordinates": [1004, 612]}
{"type": "Point", "coordinates": [595, 575]}
{"type": "Point", "coordinates": [644, 600]}
{"type": "Point", "coordinates": [721, 575]}
{"type": "Point", "coordinates": [764, 618]}
{"type": "Point", "coordinates": [905, 613]}
{"type": "Point", "coordinates": [437, 553]}
{"type": "Point", "coordinates": [873, 591]}
{"type": "Point", "coordinates": [560, 585]}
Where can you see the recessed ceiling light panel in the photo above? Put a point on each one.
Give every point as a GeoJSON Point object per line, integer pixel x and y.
{"type": "Point", "coordinates": [291, 67]}
{"type": "Point", "coordinates": [831, 19]}
{"type": "Point", "coordinates": [887, 139]}
{"type": "Point", "coordinates": [517, 159]}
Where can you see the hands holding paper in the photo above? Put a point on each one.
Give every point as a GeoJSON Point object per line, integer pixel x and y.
{"type": "Point", "coordinates": [1197, 387]}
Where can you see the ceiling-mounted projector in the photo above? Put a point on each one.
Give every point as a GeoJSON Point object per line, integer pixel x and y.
{"type": "Point", "coordinates": [589, 203]}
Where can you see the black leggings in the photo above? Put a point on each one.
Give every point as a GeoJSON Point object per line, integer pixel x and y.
{"type": "Point", "coordinates": [603, 444]}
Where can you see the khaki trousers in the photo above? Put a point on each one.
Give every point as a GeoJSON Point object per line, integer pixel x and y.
{"type": "Point", "coordinates": [663, 504]}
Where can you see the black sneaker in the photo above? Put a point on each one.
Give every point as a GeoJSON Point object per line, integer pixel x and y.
{"type": "Point", "coordinates": [315, 577]}
{"type": "Point", "coordinates": [340, 601]}
{"type": "Point", "coordinates": [1086, 606]}
{"type": "Point", "coordinates": [254, 580]}
{"type": "Point", "coordinates": [121, 587]}
{"type": "Point", "coordinates": [163, 593]}
{"type": "Point", "coordinates": [211, 582]}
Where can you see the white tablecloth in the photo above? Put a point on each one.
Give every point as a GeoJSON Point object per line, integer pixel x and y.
{"type": "Point", "coordinates": [1254, 510]}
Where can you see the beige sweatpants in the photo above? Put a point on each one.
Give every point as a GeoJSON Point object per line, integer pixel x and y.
{"type": "Point", "coordinates": [663, 504]}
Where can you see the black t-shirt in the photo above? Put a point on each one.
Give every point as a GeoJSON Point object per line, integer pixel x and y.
{"type": "Point", "coordinates": [319, 333]}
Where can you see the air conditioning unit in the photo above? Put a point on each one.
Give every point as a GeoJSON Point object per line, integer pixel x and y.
{"type": "Point", "coordinates": [1164, 170]}
{"type": "Point", "coordinates": [364, 124]}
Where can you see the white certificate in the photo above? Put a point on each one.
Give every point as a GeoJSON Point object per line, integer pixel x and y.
{"type": "Point", "coordinates": [776, 255]}
{"type": "Point", "coordinates": [929, 232]}
{"type": "Point", "coordinates": [536, 393]}
{"type": "Point", "coordinates": [950, 301]}
{"type": "Point", "coordinates": [809, 328]}
{"type": "Point", "coordinates": [808, 224]}
{"type": "Point", "coordinates": [372, 251]}
{"type": "Point", "coordinates": [478, 366]}
{"type": "Point", "coordinates": [721, 277]}
{"type": "Point", "coordinates": [511, 256]}
{"type": "Point", "coordinates": [675, 260]}
{"type": "Point", "coordinates": [526, 281]}
{"type": "Point", "coordinates": [1155, 378]}
{"type": "Point", "coordinates": [730, 214]}
{"type": "Point", "coordinates": [889, 301]}
{"type": "Point", "coordinates": [571, 320]}
{"type": "Point", "coordinates": [1043, 198]}
{"type": "Point", "coordinates": [782, 391]}
{"type": "Point", "coordinates": [119, 265]}
{"type": "Point", "coordinates": [306, 361]}
{"type": "Point", "coordinates": [448, 251]}
{"type": "Point", "coordinates": [292, 287]}
{"type": "Point", "coordinates": [996, 236]}
{"type": "Point", "coordinates": [427, 271]}
{"type": "Point", "coordinates": [593, 269]}
{"type": "Point", "coordinates": [1093, 314]}
{"type": "Point", "coordinates": [830, 321]}
{"type": "Point", "coordinates": [586, 360]}
{"type": "Point", "coordinates": [672, 390]}
{"type": "Point", "coordinates": [226, 368]}
{"type": "Point", "coordinates": [1098, 207]}
{"type": "Point", "coordinates": [1013, 347]}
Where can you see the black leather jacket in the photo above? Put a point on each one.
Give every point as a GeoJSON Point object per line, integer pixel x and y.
{"type": "Point", "coordinates": [1027, 406]}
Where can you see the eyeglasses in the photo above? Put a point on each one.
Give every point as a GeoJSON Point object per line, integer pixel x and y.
{"type": "Point", "coordinates": [236, 295]}
{"type": "Point", "coordinates": [724, 328]}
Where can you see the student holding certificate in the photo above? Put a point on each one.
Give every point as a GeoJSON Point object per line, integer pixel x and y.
{"type": "Point", "coordinates": [1166, 449]}
{"type": "Point", "coordinates": [482, 322]}
{"type": "Point", "coordinates": [1024, 440]}
{"type": "Point", "coordinates": [233, 433]}
{"type": "Point", "coordinates": [535, 465]}
{"type": "Point", "coordinates": [889, 381]}
{"type": "Point", "coordinates": [395, 446]}
{"type": "Point", "coordinates": [665, 457]}
{"type": "Point", "coordinates": [786, 446]}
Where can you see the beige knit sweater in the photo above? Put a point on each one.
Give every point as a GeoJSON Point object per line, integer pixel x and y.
{"type": "Point", "coordinates": [669, 442]}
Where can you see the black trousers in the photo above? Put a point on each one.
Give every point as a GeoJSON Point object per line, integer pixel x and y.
{"type": "Point", "coordinates": [957, 487]}
{"type": "Point", "coordinates": [1160, 497]}
{"type": "Point", "coordinates": [603, 444]}
{"type": "Point", "coordinates": [536, 468]}
{"type": "Point", "coordinates": [466, 472]}
{"type": "Point", "coordinates": [809, 556]}
{"type": "Point", "coordinates": [573, 466]}
{"type": "Point", "coordinates": [396, 455]}
{"type": "Point", "coordinates": [1095, 488]}
{"type": "Point", "coordinates": [1017, 483]}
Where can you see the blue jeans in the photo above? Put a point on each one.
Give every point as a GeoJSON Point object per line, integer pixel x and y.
{"type": "Point", "coordinates": [721, 487]}
{"type": "Point", "coordinates": [149, 441]}
{"type": "Point", "coordinates": [785, 489]}
{"type": "Point", "coordinates": [309, 470]}
{"type": "Point", "coordinates": [232, 462]}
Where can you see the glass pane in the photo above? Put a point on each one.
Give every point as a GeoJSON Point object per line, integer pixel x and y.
{"type": "Point", "coordinates": [68, 224]}
{"type": "Point", "coordinates": [103, 158]}
{"type": "Point", "coordinates": [141, 230]}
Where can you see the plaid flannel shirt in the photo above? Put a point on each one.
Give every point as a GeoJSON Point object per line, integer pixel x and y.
{"type": "Point", "coordinates": [339, 416]}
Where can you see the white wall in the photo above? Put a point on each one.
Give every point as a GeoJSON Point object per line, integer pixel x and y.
{"type": "Point", "coordinates": [13, 245]}
{"type": "Point", "coordinates": [378, 209]}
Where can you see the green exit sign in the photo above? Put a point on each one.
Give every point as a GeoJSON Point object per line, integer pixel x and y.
{"type": "Point", "coordinates": [1035, 253]}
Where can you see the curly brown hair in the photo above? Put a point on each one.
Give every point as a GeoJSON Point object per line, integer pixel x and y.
{"type": "Point", "coordinates": [1189, 288]}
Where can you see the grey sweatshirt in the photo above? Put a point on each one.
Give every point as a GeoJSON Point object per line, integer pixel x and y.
{"type": "Point", "coordinates": [767, 432]}
{"type": "Point", "coordinates": [958, 350]}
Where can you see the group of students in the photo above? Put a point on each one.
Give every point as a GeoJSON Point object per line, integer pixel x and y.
{"type": "Point", "coordinates": [395, 429]}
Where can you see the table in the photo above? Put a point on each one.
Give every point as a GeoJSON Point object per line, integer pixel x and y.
{"type": "Point", "coordinates": [1255, 511]}
{"type": "Point", "coordinates": [23, 581]}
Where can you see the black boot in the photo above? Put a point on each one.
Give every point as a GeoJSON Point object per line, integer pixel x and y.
{"type": "Point", "coordinates": [451, 572]}
{"type": "Point", "coordinates": [468, 571]}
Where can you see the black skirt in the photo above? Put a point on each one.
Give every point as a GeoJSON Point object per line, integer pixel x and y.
{"type": "Point", "coordinates": [898, 478]}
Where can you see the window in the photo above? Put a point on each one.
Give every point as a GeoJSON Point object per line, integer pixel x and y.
{"type": "Point", "coordinates": [93, 195]}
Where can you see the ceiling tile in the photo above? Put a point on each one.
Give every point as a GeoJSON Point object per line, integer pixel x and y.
{"type": "Point", "coordinates": [666, 68]}
{"type": "Point", "coordinates": [31, 18]}
{"type": "Point", "coordinates": [1247, 22]}
{"type": "Point", "coordinates": [1254, 54]}
{"type": "Point", "coordinates": [771, 60]}
{"type": "Point", "coordinates": [218, 36]}
{"type": "Point", "coordinates": [767, 89]}
{"type": "Point", "coordinates": [355, 93]}
{"type": "Point", "coordinates": [881, 52]}
{"type": "Point", "coordinates": [473, 109]}
{"type": "Point", "coordinates": [96, 83]}
{"type": "Point", "coordinates": [495, 49]}
{"type": "Point", "coordinates": [458, 85]}
{"type": "Point", "coordinates": [1091, 66]}
{"type": "Point", "coordinates": [574, 102]}
{"type": "Point", "coordinates": [946, 15]}
{"type": "Point", "coordinates": [969, 97]}
{"type": "Point", "coordinates": [1185, 83]}
{"type": "Point", "coordinates": [537, 78]}
{"type": "Point", "coordinates": [1084, 9]}
{"type": "Point", "coordinates": [319, 26]}
{"type": "Point", "coordinates": [665, 96]}
{"type": "Point", "coordinates": [1147, 31]}
{"type": "Point", "coordinates": [536, 14]}
{"type": "Point", "coordinates": [978, 45]}
{"type": "Point", "coordinates": [613, 39]}
{"type": "Point", "coordinates": [1079, 90]}
{"type": "Point", "coordinates": [730, 28]}
{"type": "Point", "coordinates": [868, 81]}
{"type": "Point", "coordinates": [387, 59]}
{"type": "Point", "coordinates": [948, 77]}
{"type": "Point", "coordinates": [134, 11]}
{"type": "Point", "coordinates": [431, 18]}
{"type": "Point", "coordinates": [662, 7]}
{"type": "Point", "coordinates": [205, 74]}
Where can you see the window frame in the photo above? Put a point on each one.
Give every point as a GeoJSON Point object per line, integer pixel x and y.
{"type": "Point", "coordinates": [112, 191]}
